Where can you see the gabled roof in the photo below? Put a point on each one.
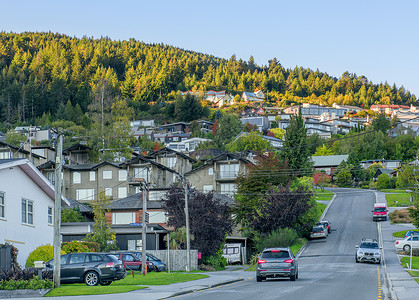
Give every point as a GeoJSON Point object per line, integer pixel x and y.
{"type": "Point", "coordinates": [89, 167]}
{"type": "Point", "coordinates": [166, 150]}
{"type": "Point", "coordinates": [222, 156]}
{"type": "Point", "coordinates": [133, 202]}
{"type": "Point", "coordinates": [82, 207]}
{"type": "Point", "coordinates": [19, 149]}
{"type": "Point", "coordinates": [48, 165]}
{"type": "Point", "coordinates": [33, 173]}
{"type": "Point", "coordinates": [77, 146]}
{"type": "Point", "coordinates": [328, 160]}
{"type": "Point", "coordinates": [136, 160]}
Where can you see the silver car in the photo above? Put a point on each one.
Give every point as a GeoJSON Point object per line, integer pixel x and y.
{"type": "Point", "coordinates": [276, 262]}
{"type": "Point", "coordinates": [318, 231]}
{"type": "Point", "coordinates": [368, 250]}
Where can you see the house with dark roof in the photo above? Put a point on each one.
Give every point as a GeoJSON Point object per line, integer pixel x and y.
{"type": "Point", "coordinates": [328, 163]}
{"type": "Point", "coordinates": [175, 160]}
{"type": "Point", "coordinates": [9, 151]}
{"type": "Point", "coordinates": [77, 154]}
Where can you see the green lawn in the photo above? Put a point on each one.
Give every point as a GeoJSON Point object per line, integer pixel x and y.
{"type": "Point", "coordinates": [417, 280]}
{"type": "Point", "coordinates": [324, 196]}
{"type": "Point", "coordinates": [321, 208]}
{"type": "Point", "coordinates": [393, 191]}
{"type": "Point", "coordinates": [127, 284]}
{"type": "Point", "coordinates": [400, 234]}
{"type": "Point", "coordinates": [414, 273]}
{"type": "Point", "coordinates": [403, 199]}
{"type": "Point", "coordinates": [406, 260]}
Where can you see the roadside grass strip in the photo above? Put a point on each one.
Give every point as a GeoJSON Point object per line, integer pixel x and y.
{"type": "Point", "coordinates": [413, 273]}
{"type": "Point", "coordinates": [401, 234]}
{"type": "Point", "coordinates": [321, 207]}
{"type": "Point", "coordinates": [79, 289]}
{"type": "Point", "coordinates": [406, 260]}
{"type": "Point", "coordinates": [127, 284]}
{"type": "Point", "coordinates": [393, 191]}
{"type": "Point", "coordinates": [324, 196]}
{"type": "Point", "coordinates": [403, 200]}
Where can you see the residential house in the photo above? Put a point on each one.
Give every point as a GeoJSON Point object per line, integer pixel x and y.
{"type": "Point", "coordinates": [44, 151]}
{"type": "Point", "coordinates": [8, 151]}
{"type": "Point", "coordinates": [388, 108]}
{"type": "Point", "coordinates": [35, 133]}
{"type": "Point", "coordinates": [187, 145]}
{"type": "Point", "coordinates": [389, 172]}
{"type": "Point", "coordinates": [219, 174]}
{"type": "Point", "coordinates": [77, 154]}
{"type": "Point", "coordinates": [261, 122]}
{"type": "Point", "coordinates": [313, 110]}
{"type": "Point", "coordinates": [219, 98]}
{"type": "Point", "coordinates": [27, 202]}
{"type": "Point", "coordinates": [174, 160]}
{"type": "Point", "coordinates": [256, 96]}
{"type": "Point", "coordinates": [387, 164]}
{"type": "Point", "coordinates": [349, 108]}
{"type": "Point", "coordinates": [328, 163]}
{"type": "Point", "coordinates": [142, 123]}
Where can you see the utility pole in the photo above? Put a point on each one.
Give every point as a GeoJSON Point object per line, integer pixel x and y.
{"type": "Point", "coordinates": [144, 229]}
{"type": "Point", "coordinates": [57, 212]}
{"type": "Point", "coordinates": [188, 239]}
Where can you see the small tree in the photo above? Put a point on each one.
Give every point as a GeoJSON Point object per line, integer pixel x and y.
{"type": "Point", "coordinates": [344, 177]}
{"type": "Point", "coordinates": [383, 181]}
{"type": "Point", "coordinates": [71, 215]}
{"type": "Point", "coordinates": [321, 179]}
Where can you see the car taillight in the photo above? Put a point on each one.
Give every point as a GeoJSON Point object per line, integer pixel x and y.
{"type": "Point", "coordinates": [111, 264]}
{"type": "Point", "coordinates": [275, 250]}
{"type": "Point", "coordinates": [261, 261]}
{"type": "Point", "coordinates": [397, 242]}
{"type": "Point", "coordinates": [288, 261]}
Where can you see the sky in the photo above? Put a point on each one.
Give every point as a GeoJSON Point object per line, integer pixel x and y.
{"type": "Point", "coordinates": [375, 38]}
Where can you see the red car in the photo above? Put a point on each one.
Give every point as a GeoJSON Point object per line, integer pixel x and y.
{"type": "Point", "coordinates": [325, 224]}
{"type": "Point", "coordinates": [131, 262]}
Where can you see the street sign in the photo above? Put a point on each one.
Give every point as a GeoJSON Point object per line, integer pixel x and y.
{"type": "Point", "coordinates": [135, 224]}
{"type": "Point", "coordinates": [147, 218]}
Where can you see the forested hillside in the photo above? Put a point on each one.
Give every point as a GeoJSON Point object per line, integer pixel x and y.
{"type": "Point", "coordinates": [41, 72]}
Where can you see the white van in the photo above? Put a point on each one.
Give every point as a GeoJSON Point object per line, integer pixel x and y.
{"type": "Point", "coordinates": [233, 253]}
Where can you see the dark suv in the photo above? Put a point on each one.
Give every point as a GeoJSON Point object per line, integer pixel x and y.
{"type": "Point", "coordinates": [276, 262]}
{"type": "Point", "coordinates": [90, 268]}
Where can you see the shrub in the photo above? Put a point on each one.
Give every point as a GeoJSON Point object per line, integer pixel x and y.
{"type": "Point", "coordinates": [25, 274]}
{"type": "Point", "coordinates": [400, 216]}
{"type": "Point", "coordinates": [44, 253]}
{"type": "Point", "coordinates": [74, 247]}
{"type": "Point", "coordinates": [217, 261]}
{"type": "Point", "coordinates": [383, 181]}
{"type": "Point", "coordinates": [31, 284]}
{"type": "Point", "coordinates": [281, 237]}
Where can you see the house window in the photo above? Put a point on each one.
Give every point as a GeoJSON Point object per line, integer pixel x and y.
{"type": "Point", "coordinates": [228, 189]}
{"type": "Point", "coordinates": [157, 217]}
{"type": "Point", "coordinates": [122, 192]}
{"type": "Point", "coordinates": [5, 155]}
{"type": "Point", "coordinates": [2, 205]}
{"type": "Point", "coordinates": [108, 192]}
{"type": "Point", "coordinates": [51, 177]}
{"type": "Point", "coordinates": [92, 176]}
{"type": "Point", "coordinates": [207, 188]}
{"type": "Point", "coordinates": [27, 211]}
{"type": "Point", "coordinates": [85, 194]}
{"type": "Point", "coordinates": [122, 175]}
{"type": "Point", "coordinates": [107, 174]}
{"type": "Point", "coordinates": [171, 161]}
{"type": "Point", "coordinates": [76, 177]}
{"type": "Point", "coordinates": [142, 173]}
{"type": "Point", "coordinates": [229, 171]}
{"type": "Point", "coordinates": [123, 218]}
{"type": "Point", "coordinates": [210, 171]}
{"type": "Point", "coordinates": [50, 215]}
{"type": "Point", "coordinates": [156, 195]}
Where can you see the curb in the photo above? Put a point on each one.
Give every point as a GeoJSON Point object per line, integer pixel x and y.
{"type": "Point", "coordinates": [205, 288]}
{"type": "Point", "coordinates": [327, 207]}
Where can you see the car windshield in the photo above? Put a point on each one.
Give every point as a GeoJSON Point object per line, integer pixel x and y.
{"type": "Point", "coordinates": [379, 209]}
{"type": "Point", "coordinates": [317, 229]}
{"type": "Point", "coordinates": [369, 245]}
{"type": "Point", "coordinates": [275, 254]}
{"type": "Point", "coordinates": [152, 257]}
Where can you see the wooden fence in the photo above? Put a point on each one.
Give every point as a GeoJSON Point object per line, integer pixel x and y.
{"type": "Point", "coordinates": [177, 258]}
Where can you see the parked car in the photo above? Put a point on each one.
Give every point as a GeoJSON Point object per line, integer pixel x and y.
{"type": "Point", "coordinates": [325, 224]}
{"type": "Point", "coordinates": [90, 268]}
{"type": "Point", "coordinates": [407, 242]}
{"type": "Point", "coordinates": [153, 263]}
{"type": "Point", "coordinates": [411, 232]}
{"type": "Point", "coordinates": [368, 250]}
{"type": "Point", "coordinates": [276, 262]}
{"type": "Point", "coordinates": [318, 231]}
{"type": "Point", "coordinates": [130, 261]}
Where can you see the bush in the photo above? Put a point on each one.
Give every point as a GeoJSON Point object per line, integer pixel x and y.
{"type": "Point", "coordinates": [217, 261]}
{"type": "Point", "coordinates": [25, 274]}
{"type": "Point", "coordinates": [74, 247]}
{"type": "Point", "coordinates": [400, 216]}
{"type": "Point", "coordinates": [93, 246]}
{"type": "Point", "coordinates": [20, 284]}
{"type": "Point", "coordinates": [44, 253]}
{"type": "Point", "coordinates": [281, 237]}
{"type": "Point", "coordinates": [383, 181]}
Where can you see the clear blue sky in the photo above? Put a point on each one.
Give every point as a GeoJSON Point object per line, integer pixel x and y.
{"type": "Point", "coordinates": [375, 38]}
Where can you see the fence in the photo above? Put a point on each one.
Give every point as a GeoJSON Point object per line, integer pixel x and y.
{"type": "Point", "coordinates": [177, 259]}
{"type": "Point", "coordinates": [5, 257]}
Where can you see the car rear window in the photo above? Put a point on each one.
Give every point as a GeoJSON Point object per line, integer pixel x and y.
{"type": "Point", "coordinates": [275, 254]}
{"type": "Point", "coordinates": [317, 229]}
{"type": "Point", "coordinates": [93, 258]}
{"type": "Point", "coordinates": [111, 257]}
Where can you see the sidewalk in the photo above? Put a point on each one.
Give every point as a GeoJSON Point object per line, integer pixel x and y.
{"type": "Point", "coordinates": [402, 286]}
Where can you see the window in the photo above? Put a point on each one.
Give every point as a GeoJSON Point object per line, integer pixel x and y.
{"type": "Point", "coordinates": [27, 211]}
{"type": "Point", "coordinates": [76, 177]}
{"type": "Point", "coordinates": [207, 188]}
{"type": "Point", "coordinates": [171, 161]}
{"type": "Point", "coordinates": [156, 195]}
{"type": "Point", "coordinates": [123, 218]}
{"type": "Point", "coordinates": [229, 171]}
{"type": "Point", "coordinates": [211, 171]}
{"type": "Point", "coordinates": [77, 259]}
{"type": "Point", "coordinates": [128, 257]}
{"type": "Point", "coordinates": [122, 192]}
{"type": "Point", "coordinates": [92, 175]}
{"type": "Point", "coordinates": [107, 174]}
{"type": "Point", "coordinates": [5, 155]}
{"type": "Point", "coordinates": [228, 189]}
{"type": "Point", "coordinates": [51, 177]}
{"type": "Point", "coordinates": [50, 213]}
{"type": "Point", "coordinates": [2, 205]}
{"type": "Point", "coordinates": [108, 192]}
{"type": "Point", "coordinates": [122, 175]}
{"type": "Point", "coordinates": [85, 194]}
{"type": "Point", "coordinates": [157, 217]}
{"type": "Point", "coordinates": [142, 173]}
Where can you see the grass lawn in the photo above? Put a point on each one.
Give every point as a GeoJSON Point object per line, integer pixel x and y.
{"type": "Point", "coordinates": [321, 208]}
{"type": "Point", "coordinates": [414, 273]}
{"type": "Point", "coordinates": [400, 234]}
{"type": "Point", "coordinates": [393, 191]}
{"type": "Point", "coordinates": [403, 199]}
{"type": "Point", "coordinates": [417, 280]}
{"type": "Point", "coordinates": [324, 196]}
{"type": "Point", "coordinates": [127, 284]}
{"type": "Point", "coordinates": [415, 261]}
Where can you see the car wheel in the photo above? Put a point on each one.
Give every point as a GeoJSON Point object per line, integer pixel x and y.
{"type": "Point", "coordinates": [293, 277]}
{"type": "Point", "coordinates": [106, 282]}
{"type": "Point", "coordinates": [296, 276]}
{"type": "Point", "coordinates": [91, 278]}
{"type": "Point", "coordinates": [406, 248]}
{"type": "Point", "coordinates": [258, 278]}
{"type": "Point", "coordinates": [356, 259]}
{"type": "Point", "coordinates": [378, 262]}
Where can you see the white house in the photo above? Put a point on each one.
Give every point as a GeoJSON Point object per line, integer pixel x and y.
{"type": "Point", "coordinates": [256, 96]}
{"type": "Point", "coordinates": [26, 207]}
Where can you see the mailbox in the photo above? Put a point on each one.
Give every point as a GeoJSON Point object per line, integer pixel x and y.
{"type": "Point", "coordinates": [39, 264]}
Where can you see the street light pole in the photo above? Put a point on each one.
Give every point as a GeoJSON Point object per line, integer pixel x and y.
{"type": "Point", "coordinates": [188, 239]}
{"type": "Point", "coordinates": [57, 213]}
{"type": "Point", "coordinates": [144, 231]}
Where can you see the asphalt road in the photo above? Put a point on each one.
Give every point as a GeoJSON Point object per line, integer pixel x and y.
{"type": "Point", "coordinates": [327, 266]}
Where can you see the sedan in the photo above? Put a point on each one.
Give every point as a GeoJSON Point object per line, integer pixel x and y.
{"type": "Point", "coordinates": [276, 262]}
{"type": "Point", "coordinates": [406, 243]}
{"type": "Point", "coordinates": [318, 231]}
{"type": "Point", "coordinates": [411, 232]}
